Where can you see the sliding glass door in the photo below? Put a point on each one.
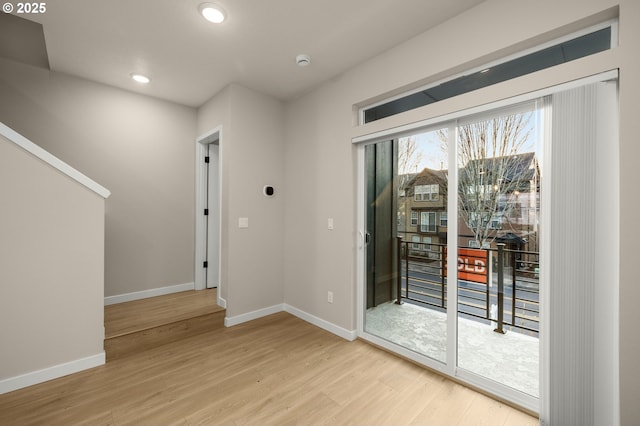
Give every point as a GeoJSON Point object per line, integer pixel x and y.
{"type": "Point", "coordinates": [479, 222]}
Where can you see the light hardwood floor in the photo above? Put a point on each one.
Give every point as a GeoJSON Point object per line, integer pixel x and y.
{"type": "Point", "coordinates": [138, 315]}
{"type": "Point", "coordinates": [139, 325]}
{"type": "Point", "coordinates": [276, 370]}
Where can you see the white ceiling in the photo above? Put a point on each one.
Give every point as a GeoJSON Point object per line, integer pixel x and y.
{"type": "Point", "coordinates": [190, 59]}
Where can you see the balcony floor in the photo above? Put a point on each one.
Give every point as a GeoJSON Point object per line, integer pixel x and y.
{"type": "Point", "coordinates": [511, 359]}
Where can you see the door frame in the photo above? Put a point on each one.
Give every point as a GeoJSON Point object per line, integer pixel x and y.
{"type": "Point", "coordinates": [201, 189]}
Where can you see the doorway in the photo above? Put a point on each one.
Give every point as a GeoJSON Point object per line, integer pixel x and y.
{"type": "Point", "coordinates": [208, 213]}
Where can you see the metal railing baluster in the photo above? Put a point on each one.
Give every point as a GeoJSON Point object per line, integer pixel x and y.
{"type": "Point", "coordinates": [442, 275]}
{"type": "Point", "coordinates": [399, 272]}
{"type": "Point", "coordinates": [489, 279]}
{"type": "Point", "coordinates": [407, 268]}
{"type": "Point", "coordinates": [514, 296]}
{"type": "Point", "coordinates": [500, 287]}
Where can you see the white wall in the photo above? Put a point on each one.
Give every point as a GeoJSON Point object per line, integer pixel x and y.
{"type": "Point", "coordinates": [251, 156]}
{"type": "Point", "coordinates": [320, 160]}
{"type": "Point", "coordinates": [51, 271]}
{"type": "Point", "coordinates": [139, 147]}
{"type": "Point", "coordinates": [320, 184]}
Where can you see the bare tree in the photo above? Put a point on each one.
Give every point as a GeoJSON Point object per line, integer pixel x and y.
{"type": "Point", "coordinates": [409, 159]}
{"type": "Point", "coordinates": [491, 169]}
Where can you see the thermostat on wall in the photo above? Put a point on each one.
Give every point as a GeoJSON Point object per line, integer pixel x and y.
{"type": "Point", "coordinates": [268, 191]}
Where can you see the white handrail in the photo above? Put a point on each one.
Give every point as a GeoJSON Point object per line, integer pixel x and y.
{"type": "Point", "coordinates": [52, 160]}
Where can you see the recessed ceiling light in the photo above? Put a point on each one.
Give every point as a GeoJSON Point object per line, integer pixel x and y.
{"type": "Point", "coordinates": [212, 13]}
{"type": "Point", "coordinates": [140, 78]}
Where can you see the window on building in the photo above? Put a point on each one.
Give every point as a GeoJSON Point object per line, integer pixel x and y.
{"type": "Point", "coordinates": [415, 242]}
{"type": "Point", "coordinates": [496, 222]}
{"type": "Point", "coordinates": [443, 219]}
{"type": "Point", "coordinates": [414, 218]}
{"type": "Point", "coordinates": [426, 243]}
{"type": "Point", "coordinates": [428, 221]}
{"type": "Point", "coordinates": [426, 192]}
{"type": "Point", "coordinates": [478, 220]}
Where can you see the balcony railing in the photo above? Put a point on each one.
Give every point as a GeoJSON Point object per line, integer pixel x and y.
{"type": "Point", "coordinates": [494, 285]}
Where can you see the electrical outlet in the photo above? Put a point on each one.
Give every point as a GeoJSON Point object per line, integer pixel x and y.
{"type": "Point", "coordinates": [330, 297]}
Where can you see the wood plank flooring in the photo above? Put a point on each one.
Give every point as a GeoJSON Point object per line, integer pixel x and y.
{"type": "Point", "coordinates": [139, 325]}
{"type": "Point", "coordinates": [276, 370]}
{"type": "Point", "coordinates": [138, 315]}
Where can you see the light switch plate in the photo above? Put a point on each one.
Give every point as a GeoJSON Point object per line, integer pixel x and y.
{"type": "Point", "coordinates": [243, 222]}
{"type": "Point", "coordinates": [330, 223]}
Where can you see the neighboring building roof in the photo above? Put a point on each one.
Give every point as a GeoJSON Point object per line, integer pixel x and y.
{"type": "Point", "coordinates": [428, 176]}
{"type": "Point", "coordinates": [520, 167]}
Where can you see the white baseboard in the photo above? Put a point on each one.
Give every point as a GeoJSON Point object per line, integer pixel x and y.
{"type": "Point", "coordinates": [349, 335]}
{"type": "Point", "coordinates": [50, 373]}
{"type": "Point", "coordinates": [144, 294]}
{"type": "Point", "coordinates": [249, 316]}
{"type": "Point", "coordinates": [222, 302]}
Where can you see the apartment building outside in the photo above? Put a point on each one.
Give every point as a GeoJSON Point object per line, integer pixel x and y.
{"type": "Point", "coordinates": [423, 217]}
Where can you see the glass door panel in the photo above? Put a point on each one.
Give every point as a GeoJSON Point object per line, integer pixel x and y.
{"type": "Point", "coordinates": [406, 211]}
{"type": "Point", "coordinates": [499, 170]}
